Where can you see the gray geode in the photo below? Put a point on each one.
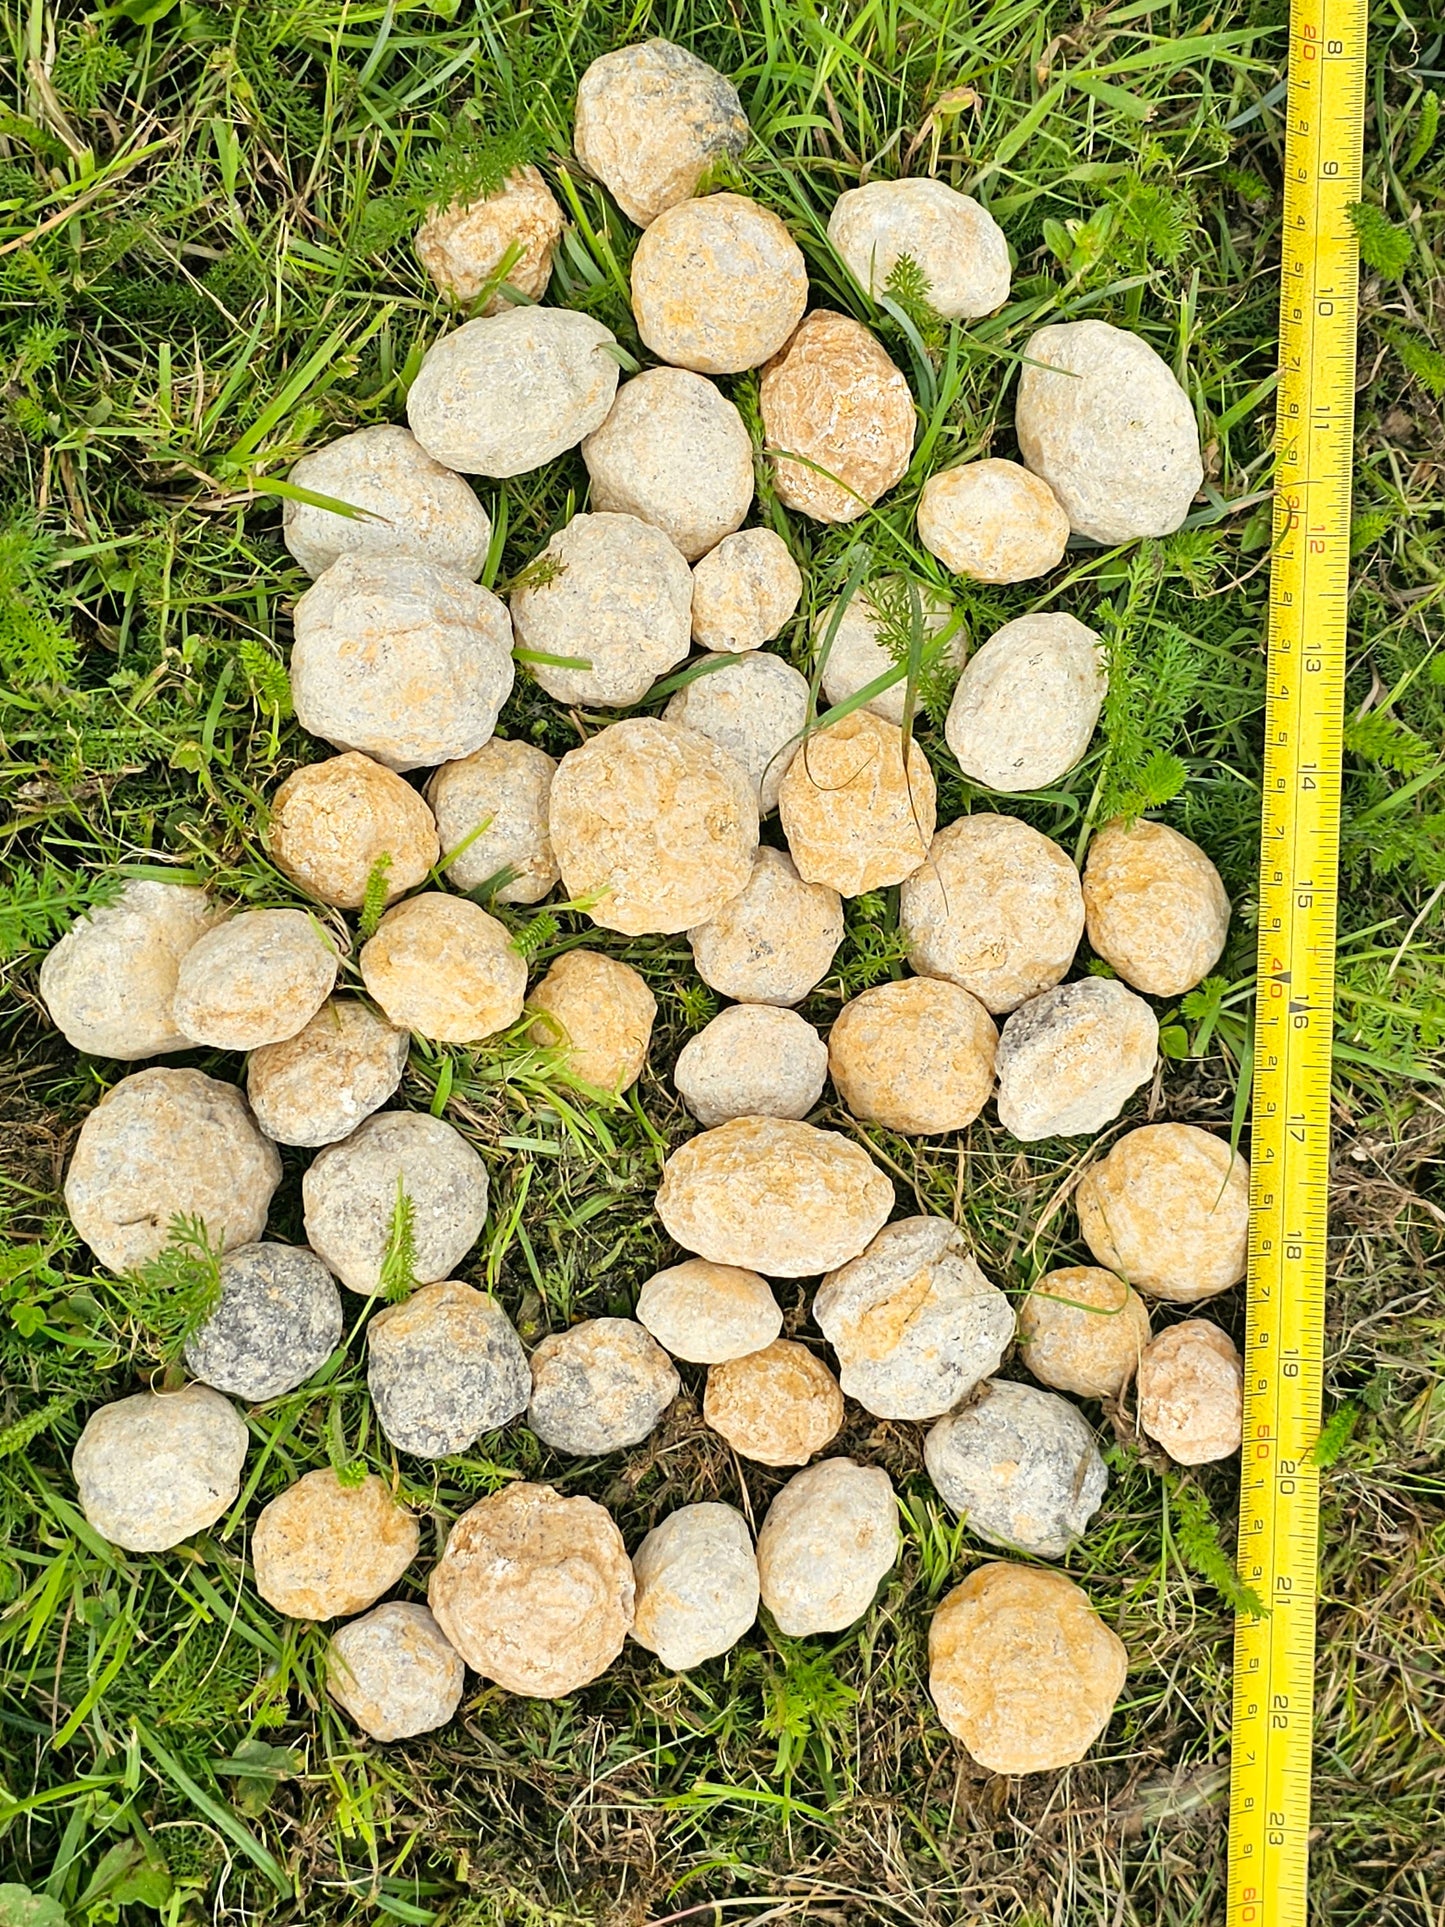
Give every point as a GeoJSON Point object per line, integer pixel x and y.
{"type": "Point", "coordinates": [278, 1321]}
{"type": "Point", "coordinates": [1020, 1467]}
{"type": "Point", "coordinates": [829, 1538]}
{"type": "Point", "coordinates": [599, 1387]}
{"type": "Point", "coordinates": [394, 1671]}
{"type": "Point", "coordinates": [1069, 1059]}
{"type": "Point", "coordinates": [697, 1585]}
{"type": "Point", "coordinates": [443, 1367]}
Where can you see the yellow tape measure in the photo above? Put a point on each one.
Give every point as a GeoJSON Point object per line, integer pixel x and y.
{"type": "Point", "coordinates": [1309, 588]}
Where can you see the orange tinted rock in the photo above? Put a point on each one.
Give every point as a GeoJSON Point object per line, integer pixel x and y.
{"type": "Point", "coordinates": [835, 401]}
{"type": "Point", "coordinates": [778, 1406]}
{"type": "Point", "coordinates": [852, 816]}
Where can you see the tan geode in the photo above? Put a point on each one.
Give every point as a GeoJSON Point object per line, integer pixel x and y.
{"type": "Point", "coordinates": [775, 941]}
{"type": "Point", "coordinates": [1191, 1392]}
{"type": "Point", "coordinates": [463, 246]}
{"type": "Point", "coordinates": [829, 1538]}
{"type": "Point", "coordinates": [324, 1550]}
{"type": "Point", "coordinates": [718, 285]}
{"type": "Point", "coordinates": [394, 1672]}
{"type": "Point", "coordinates": [599, 1013]}
{"type": "Point", "coordinates": [673, 452]}
{"type": "Point", "coordinates": [332, 823]}
{"type": "Point", "coordinates": [993, 522]}
{"type": "Point", "coordinates": [1155, 907]}
{"type": "Point", "coordinates": [1068, 1060]}
{"type": "Point", "coordinates": [410, 505]}
{"type": "Point", "coordinates": [744, 591]}
{"type": "Point", "coordinates": [755, 707]}
{"type": "Point", "coordinates": [440, 966]}
{"type": "Point", "coordinates": [255, 979]}
{"type": "Point", "coordinates": [652, 119]}
{"type": "Point", "coordinates": [709, 1313]}
{"type": "Point", "coordinates": [1026, 704]}
{"type": "Point", "coordinates": [852, 816]}
{"type": "Point", "coordinates": [110, 982]}
{"type": "Point", "coordinates": [752, 1060]}
{"type": "Point", "coordinates": [955, 243]}
{"type": "Point", "coordinates": [318, 1086]}
{"type": "Point", "coordinates": [1168, 1209]}
{"type": "Point", "coordinates": [1082, 1330]}
{"type": "Point", "coordinates": [777, 1407]}
{"type": "Point", "coordinates": [915, 1056]}
{"type": "Point", "coordinates": [835, 401]}
{"type": "Point", "coordinates": [491, 809]}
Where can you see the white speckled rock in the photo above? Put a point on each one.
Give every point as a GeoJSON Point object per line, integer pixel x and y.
{"type": "Point", "coordinates": [394, 1671]}
{"type": "Point", "coordinates": [599, 1013]}
{"type": "Point", "coordinates": [775, 941]}
{"type": "Point", "coordinates": [777, 1407]}
{"type": "Point", "coordinates": [324, 1550]}
{"type": "Point", "coordinates": [1101, 418]}
{"type": "Point", "coordinates": [503, 394]}
{"type": "Point", "coordinates": [164, 1144]}
{"type": "Point", "coordinates": [1191, 1392]}
{"type": "Point", "coordinates": [1026, 704]}
{"type": "Point", "coordinates": [652, 119]}
{"type": "Point", "coordinates": [992, 521]}
{"type": "Point", "coordinates": [497, 797]}
{"type": "Point", "coordinates": [752, 1060]}
{"type": "Point", "coordinates": [755, 707]}
{"type": "Point", "coordinates": [444, 1366]}
{"type": "Point", "coordinates": [600, 1386]}
{"type": "Point", "coordinates": [1069, 1059]}
{"type": "Point", "coordinates": [153, 1469]}
{"type": "Point", "coordinates": [1082, 1330]}
{"type": "Point", "coordinates": [774, 1196]}
{"type": "Point", "coordinates": [1155, 907]}
{"type": "Point", "coordinates": [441, 966]}
{"type": "Point", "coordinates": [278, 1320]}
{"type": "Point", "coordinates": [654, 825]}
{"type": "Point", "coordinates": [857, 655]}
{"type": "Point", "coordinates": [996, 909]}
{"type": "Point", "coordinates": [957, 244]}
{"type": "Point", "coordinates": [834, 400]}
{"type": "Point", "coordinates": [697, 1585]}
{"type": "Point", "coordinates": [913, 1320]}
{"type": "Point", "coordinates": [708, 1313]}
{"type": "Point", "coordinates": [743, 592]}
{"type": "Point", "coordinates": [350, 1192]}
{"type": "Point", "coordinates": [673, 452]}
{"type": "Point", "coordinates": [1020, 1466]}
{"type": "Point", "coordinates": [915, 1056]}
{"type": "Point", "coordinates": [853, 817]}
{"type": "Point", "coordinates": [255, 979]}
{"type": "Point", "coordinates": [1168, 1209]}
{"type": "Point", "coordinates": [316, 1087]}
{"type": "Point", "coordinates": [110, 982]}
{"type": "Point", "coordinates": [405, 661]}
{"type": "Point", "coordinates": [462, 246]}
{"type": "Point", "coordinates": [535, 1591]}
{"type": "Point", "coordinates": [411, 505]}
{"type": "Point", "coordinates": [332, 823]}
{"type": "Point", "coordinates": [829, 1539]}
{"type": "Point", "coordinates": [718, 285]}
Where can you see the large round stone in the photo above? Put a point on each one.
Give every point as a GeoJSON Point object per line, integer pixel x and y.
{"type": "Point", "coordinates": [1069, 1060]}
{"type": "Point", "coordinates": [777, 1407]}
{"type": "Point", "coordinates": [1026, 704]}
{"type": "Point", "coordinates": [324, 1550]}
{"type": "Point", "coordinates": [675, 453]}
{"type": "Point", "coordinates": [442, 967]}
{"type": "Point", "coordinates": [491, 809]}
{"type": "Point", "coordinates": [775, 941]}
{"type": "Point", "coordinates": [992, 521]}
{"type": "Point", "coordinates": [410, 505]}
{"type": "Point", "coordinates": [1155, 907]}
{"type": "Point", "coordinates": [752, 1060]}
{"type": "Point", "coordinates": [332, 823]}
{"type": "Point", "coordinates": [837, 417]}
{"type": "Point", "coordinates": [110, 982]}
{"type": "Point", "coordinates": [153, 1469]}
{"type": "Point", "coordinates": [755, 707]}
{"type": "Point", "coordinates": [955, 244]}
{"type": "Point", "coordinates": [278, 1321]}
{"type": "Point", "coordinates": [858, 647]}
{"type": "Point", "coordinates": [316, 1087]}
{"type": "Point", "coordinates": [462, 246]}
{"type": "Point", "coordinates": [854, 817]}
{"type": "Point", "coordinates": [443, 1367]}
{"type": "Point", "coordinates": [394, 1671]}
{"type": "Point", "coordinates": [1191, 1392]}
{"type": "Point", "coordinates": [599, 1387]}
{"type": "Point", "coordinates": [255, 979]}
{"type": "Point", "coordinates": [708, 1313]}
{"type": "Point", "coordinates": [1020, 1466]}
{"type": "Point", "coordinates": [915, 1056]}
{"type": "Point", "coordinates": [697, 1585]}
{"type": "Point", "coordinates": [1168, 1209]}
{"type": "Point", "coordinates": [599, 1013]}
{"type": "Point", "coordinates": [1081, 1330]}
{"type": "Point", "coordinates": [743, 592]}
{"type": "Point", "coordinates": [718, 285]}
{"type": "Point", "coordinates": [652, 119]}
{"type": "Point", "coordinates": [829, 1539]}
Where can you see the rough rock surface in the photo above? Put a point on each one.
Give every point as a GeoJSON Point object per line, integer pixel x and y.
{"type": "Point", "coordinates": [778, 1406]}
{"type": "Point", "coordinates": [505, 786]}
{"type": "Point", "coordinates": [255, 979]}
{"type": "Point", "coordinates": [1155, 907]}
{"type": "Point", "coordinates": [1022, 1669]}
{"type": "Point", "coordinates": [993, 522]}
{"type": "Point", "coordinates": [405, 661]}
{"type": "Point", "coordinates": [652, 119]}
{"type": "Point", "coordinates": [697, 1585]}
{"type": "Point", "coordinates": [829, 1539]}
{"type": "Point", "coordinates": [278, 1320]}
{"type": "Point", "coordinates": [600, 1013]}
{"type": "Point", "coordinates": [775, 941]}
{"type": "Point", "coordinates": [774, 1196]}
{"type": "Point", "coordinates": [1069, 1060]}
{"type": "Point", "coordinates": [1168, 1209]}
{"type": "Point", "coordinates": [462, 246]}
{"type": "Point", "coordinates": [673, 452]}
{"type": "Point", "coordinates": [324, 1550]}
{"type": "Point", "coordinates": [708, 1313]}
{"type": "Point", "coordinates": [755, 707]}
{"type": "Point", "coordinates": [333, 822]}
{"type": "Point", "coordinates": [914, 1322]}
{"type": "Point", "coordinates": [1020, 1466]}
{"type": "Point", "coordinates": [316, 1087]}
{"type": "Point", "coordinates": [110, 982]}
{"type": "Point", "coordinates": [852, 816]}
{"type": "Point", "coordinates": [752, 1060]}
{"type": "Point", "coordinates": [164, 1144]}
{"type": "Point", "coordinates": [444, 1366]}
{"type": "Point", "coordinates": [654, 824]}
{"type": "Point", "coordinates": [835, 401]}
{"type": "Point", "coordinates": [743, 592]}
{"type": "Point", "coordinates": [1101, 418]}
{"type": "Point", "coordinates": [718, 285]}
{"type": "Point", "coordinates": [954, 242]}
{"type": "Point", "coordinates": [410, 505]}
{"type": "Point", "coordinates": [858, 655]}
{"type": "Point", "coordinates": [1191, 1392]}
{"type": "Point", "coordinates": [535, 1591]}
{"type": "Point", "coordinates": [600, 1386]}
{"type": "Point", "coordinates": [1027, 702]}
{"type": "Point", "coordinates": [441, 966]}
{"type": "Point", "coordinates": [394, 1671]}
{"type": "Point", "coordinates": [915, 1056]}
{"type": "Point", "coordinates": [1082, 1329]}
{"type": "Point", "coordinates": [152, 1469]}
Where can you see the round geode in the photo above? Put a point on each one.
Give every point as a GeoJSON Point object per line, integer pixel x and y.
{"type": "Point", "coordinates": [278, 1320]}
{"type": "Point", "coordinates": [153, 1469]}
{"type": "Point", "coordinates": [444, 968]}
{"type": "Point", "coordinates": [599, 1387]}
{"type": "Point", "coordinates": [395, 1672]}
{"type": "Point", "coordinates": [1155, 907]}
{"type": "Point", "coordinates": [1168, 1209]}
{"type": "Point", "coordinates": [256, 979]}
{"type": "Point", "coordinates": [838, 419]}
{"type": "Point", "coordinates": [777, 1407]}
{"type": "Point", "coordinates": [1070, 1059]}
{"type": "Point", "coordinates": [444, 1366]}
{"type": "Point", "coordinates": [829, 1539]}
{"type": "Point", "coordinates": [743, 592]}
{"type": "Point", "coordinates": [954, 243]}
{"type": "Point", "coordinates": [992, 521]}
{"type": "Point", "coordinates": [697, 1585]}
{"type": "Point", "coordinates": [855, 816]}
{"type": "Point", "coordinates": [316, 1087]}
{"type": "Point", "coordinates": [110, 982]}
{"type": "Point", "coordinates": [325, 1549]}
{"type": "Point", "coordinates": [333, 823]}
{"type": "Point", "coordinates": [708, 1313]}
{"type": "Point", "coordinates": [652, 120]}
{"type": "Point", "coordinates": [1020, 1466]}
{"type": "Point", "coordinates": [491, 810]}
{"type": "Point", "coordinates": [410, 505]}
{"type": "Point", "coordinates": [598, 1013]}
{"type": "Point", "coordinates": [754, 706]}
{"type": "Point", "coordinates": [752, 1060]}
{"type": "Point", "coordinates": [718, 285]}
{"type": "Point", "coordinates": [674, 452]}
{"type": "Point", "coordinates": [915, 1055]}
{"type": "Point", "coordinates": [463, 245]}
{"type": "Point", "coordinates": [773, 942]}
{"type": "Point", "coordinates": [1026, 704]}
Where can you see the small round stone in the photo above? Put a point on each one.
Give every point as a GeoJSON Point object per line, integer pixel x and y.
{"type": "Point", "coordinates": [462, 246]}
{"type": "Point", "coordinates": [743, 592]}
{"type": "Point", "coordinates": [708, 1313]}
{"type": "Point", "coordinates": [697, 1585]}
{"type": "Point", "coordinates": [915, 1056]}
{"type": "Point", "coordinates": [914, 1322]}
{"type": "Point", "coordinates": [255, 979]}
{"type": "Point", "coordinates": [153, 1469]}
{"type": "Point", "coordinates": [838, 419]}
{"type": "Point", "coordinates": [599, 1013]}
{"type": "Point", "coordinates": [996, 909]}
{"type": "Point", "coordinates": [1022, 1669]}
{"type": "Point", "coordinates": [600, 1386]}
{"type": "Point", "coordinates": [1191, 1392]}
{"type": "Point", "coordinates": [775, 941]}
{"type": "Point", "coordinates": [394, 1672]}
{"type": "Point", "coordinates": [350, 1196]}
{"type": "Point", "coordinates": [444, 1366]}
{"type": "Point", "coordinates": [495, 803]}
{"type": "Point", "coordinates": [752, 1060]}
{"type": "Point", "coordinates": [163, 1144]}
{"type": "Point", "coordinates": [673, 452]}
{"type": "Point", "coordinates": [1168, 1209]}
{"type": "Point", "coordinates": [610, 591]}
{"type": "Point", "coordinates": [654, 825]}
{"type": "Point", "coordinates": [1082, 1329]}
{"type": "Point", "coordinates": [506, 393]}
{"type": "Point", "coordinates": [774, 1196]}
{"type": "Point", "coordinates": [755, 707]}
{"type": "Point", "coordinates": [652, 119]}
{"type": "Point", "coordinates": [956, 244]}
{"type": "Point", "coordinates": [535, 1591]}
{"type": "Point", "coordinates": [110, 982]}
{"type": "Point", "coordinates": [411, 505]}
{"type": "Point", "coordinates": [1101, 418]}
{"type": "Point", "coordinates": [332, 823]}
{"type": "Point", "coordinates": [853, 817]}
{"type": "Point", "coordinates": [405, 661]}
{"type": "Point", "coordinates": [858, 655]}
{"type": "Point", "coordinates": [992, 521]}
{"type": "Point", "coordinates": [1020, 1466]}
{"type": "Point", "coordinates": [324, 1550]}
{"type": "Point", "coordinates": [1155, 907]}
{"type": "Point", "coordinates": [442, 967]}
{"type": "Point", "coordinates": [829, 1539]}
{"type": "Point", "coordinates": [316, 1087]}
{"type": "Point", "coordinates": [1026, 704]}
{"type": "Point", "coordinates": [1069, 1060]}
{"type": "Point", "coordinates": [278, 1320]}
{"type": "Point", "coordinates": [777, 1407]}
{"type": "Point", "coordinates": [718, 285]}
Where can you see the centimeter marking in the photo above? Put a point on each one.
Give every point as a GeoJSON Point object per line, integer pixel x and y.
{"type": "Point", "coordinates": [1309, 588]}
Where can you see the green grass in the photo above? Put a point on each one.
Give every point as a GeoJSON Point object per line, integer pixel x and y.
{"type": "Point", "coordinates": [204, 270]}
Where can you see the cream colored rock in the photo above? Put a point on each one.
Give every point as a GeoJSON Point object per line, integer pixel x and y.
{"type": "Point", "coordinates": [402, 660]}
{"type": "Point", "coordinates": [1082, 1330]}
{"type": "Point", "coordinates": [442, 1367]}
{"type": "Point", "coordinates": [110, 982]}
{"type": "Point", "coordinates": [599, 1013]}
{"type": "Point", "coordinates": [996, 909]}
{"type": "Point", "coordinates": [654, 825]}
{"type": "Point", "coordinates": [837, 417]}
{"type": "Point", "coordinates": [697, 1585]}
{"type": "Point", "coordinates": [1168, 1209]}
{"type": "Point", "coordinates": [1191, 1392]}
{"type": "Point", "coordinates": [495, 802]}
{"type": "Point", "coordinates": [829, 1539]}
{"type": "Point", "coordinates": [394, 1671]}
{"type": "Point", "coordinates": [1070, 1059]}
{"type": "Point", "coordinates": [915, 1056]}
{"type": "Point", "coordinates": [992, 521]}
{"type": "Point", "coordinates": [857, 653]}
{"type": "Point", "coordinates": [620, 600]}
{"type": "Point", "coordinates": [673, 452]}
{"type": "Point", "coordinates": [752, 1060]}
{"type": "Point", "coordinates": [1101, 418]}
{"type": "Point", "coordinates": [535, 1591]}
{"type": "Point", "coordinates": [1155, 907]}
{"type": "Point", "coordinates": [332, 823]}
{"type": "Point", "coordinates": [775, 941]}
{"type": "Point", "coordinates": [1026, 705]}
{"type": "Point", "coordinates": [954, 242]}
{"type": "Point", "coordinates": [255, 979]}
{"type": "Point", "coordinates": [599, 1387]}
{"type": "Point", "coordinates": [652, 119]}
{"type": "Point", "coordinates": [853, 817]}
{"type": "Point", "coordinates": [277, 1320]}
{"type": "Point", "coordinates": [153, 1469]}
{"type": "Point", "coordinates": [774, 1196]}
{"type": "Point", "coordinates": [503, 394]}
{"type": "Point", "coordinates": [410, 505]}
{"type": "Point", "coordinates": [718, 285]}
{"type": "Point", "coordinates": [777, 1407]}
{"type": "Point", "coordinates": [1020, 1466]}
{"type": "Point", "coordinates": [463, 246]}
{"type": "Point", "coordinates": [316, 1087]}
{"type": "Point", "coordinates": [440, 966]}
{"type": "Point", "coordinates": [1022, 1669]}
{"type": "Point", "coordinates": [708, 1313]}
{"type": "Point", "coordinates": [755, 707]}
{"type": "Point", "coordinates": [743, 592]}
{"type": "Point", "coordinates": [324, 1550]}
{"type": "Point", "coordinates": [163, 1144]}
